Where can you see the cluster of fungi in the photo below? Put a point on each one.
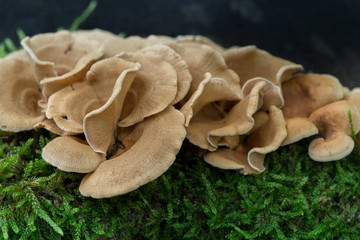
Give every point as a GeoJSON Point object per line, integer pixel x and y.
{"type": "Point", "coordinates": [122, 107]}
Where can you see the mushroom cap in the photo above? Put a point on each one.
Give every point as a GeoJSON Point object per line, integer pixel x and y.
{"type": "Point", "coordinates": [209, 90]}
{"type": "Point", "coordinates": [202, 59]}
{"type": "Point", "coordinates": [59, 59]}
{"type": "Point", "coordinates": [272, 94]}
{"type": "Point", "coordinates": [71, 154]}
{"type": "Point", "coordinates": [266, 139]}
{"type": "Point", "coordinates": [305, 93]}
{"type": "Point", "coordinates": [154, 87]}
{"type": "Point", "coordinates": [249, 62]}
{"type": "Point", "coordinates": [208, 127]}
{"type": "Point", "coordinates": [51, 126]}
{"type": "Point", "coordinates": [111, 78]}
{"type": "Point", "coordinates": [249, 156]}
{"type": "Point", "coordinates": [146, 160]}
{"type": "Point", "coordinates": [19, 110]}
{"type": "Point", "coordinates": [298, 128]}
{"type": "Point", "coordinates": [230, 160]}
{"type": "Point", "coordinates": [68, 106]}
{"type": "Point", "coordinates": [183, 75]}
{"type": "Point", "coordinates": [334, 127]}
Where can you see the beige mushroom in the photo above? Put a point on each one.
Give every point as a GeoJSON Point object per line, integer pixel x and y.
{"type": "Point", "coordinates": [147, 159]}
{"type": "Point", "coordinates": [183, 75]}
{"type": "Point", "coordinates": [249, 62]}
{"type": "Point", "coordinates": [59, 59]}
{"type": "Point", "coordinates": [111, 79]}
{"type": "Point", "coordinates": [71, 154]}
{"type": "Point", "coordinates": [209, 90]}
{"type": "Point", "coordinates": [304, 94]}
{"type": "Point", "coordinates": [249, 156]}
{"type": "Point", "coordinates": [153, 89]}
{"type": "Point", "coordinates": [51, 126]}
{"type": "Point", "coordinates": [202, 59]}
{"type": "Point", "coordinates": [20, 93]}
{"type": "Point", "coordinates": [333, 123]}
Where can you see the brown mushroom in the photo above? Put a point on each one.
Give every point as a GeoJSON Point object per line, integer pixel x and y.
{"type": "Point", "coordinates": [183, 75]}
{"type": "Point", "coordinates": [249, 156]}
{"type": "Point", "coordinates": [146, 160]}
{"type": "Point", "coordinates": [111, 79]}
{"type": "Point", "coordinates": [334, 127]}
{"type": "Point", "coordinates": [59, 59]}
{"type": "Point", "coordinates": [153, 89]}
{"type": "Point", "coordinates": [71, 154]}
{"type": "Point", "coordinates": [249, 62]}
{"type": "Point", "coordinates": [202, 59]}
{"type": "Point", "coordinates": [20, 93]}
{"type": "Point", "coordinates": [304, 94]}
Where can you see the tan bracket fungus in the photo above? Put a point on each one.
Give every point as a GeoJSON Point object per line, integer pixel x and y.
{"type": "Point", "coordinates": [333, 123]}
{"type": "Point", "coordinates": [249, 156]}
{"type": "Point", "coordinates": [250, 62]}
{"type": "Point", "coordinates": [304, 94]}
{"type": "Point", "coordinates": [146, 160]}
{"type": "Point", "coordinates": [71, 154]}
{"type": "Point", "coordinates": [154, 87]}
{"type": "Point", "coordinates": [60, 59]}
{"type": "Point", "coordinates": [18, 103]}
{"type": "Point", "coordinates": [100, 124]}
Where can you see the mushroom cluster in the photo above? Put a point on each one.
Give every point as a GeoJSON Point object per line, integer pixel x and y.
{"type": "Point", "coordinates": [122, 107]}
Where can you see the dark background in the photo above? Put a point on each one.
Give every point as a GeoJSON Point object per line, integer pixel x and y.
{"type": "Point", "coordinates": [322, 35]}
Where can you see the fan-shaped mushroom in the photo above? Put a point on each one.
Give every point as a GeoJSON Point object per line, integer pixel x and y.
{"type": "Point", "coordinates": [71, 154]}
{"type": "Point", "coordinates": [304, 94]}
{"type": "Point", "coordinates": [249, 62]}
{"type": "Point", "coordinates": [146, 160]}
{"type": "Point", "coordinates": [249, 156]}
{"type": "Point", "coordinates": [20, 93]}
{"type": "Point", "coordinates": [59, 59]}
{"type": "Point", "coordinates": [333, 123]}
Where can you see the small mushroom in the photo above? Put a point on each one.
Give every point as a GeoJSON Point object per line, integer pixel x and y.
{"type": "Point", "coordinates": [153, 89]}
{"type": "Point", "coordinates": [59, 59]}
{"type": "Point", "coordinates": [202, 59]}
{"type": "Point", "coordinates": [303, 94]}
{"type": "Point", "coordinates": [116, 75]}
{"type": "Point", "coordinates": [250, 62]}
{"type": "Point", "coordinates": [334, 127]}
{"type": "Point", "coordinates": [183, 75]}
{"type": "Point", "coordinates": [153, 153]}
{"type": "Point", "coordinates": [249, 156]}
{"type": "Point", "coordinates": [71, 154]}
{"type": "Point", "coordinates": [19, 110]}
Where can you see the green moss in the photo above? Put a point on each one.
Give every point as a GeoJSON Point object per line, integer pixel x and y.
{"type": "Point", "coordinates": [295, 198]}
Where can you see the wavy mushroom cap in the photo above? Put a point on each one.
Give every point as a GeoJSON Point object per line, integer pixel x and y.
{"type": "Point", "coordinates": [335, 140]}
{"type": "Point", "coordinates": [250, 62]}
{"type": "Point", "coordinates": [183, 75]}
{"type": "Point", "coordinates": [71, 154]}
{"type": "Point", "coordinates": [60, 59]}
{"type": "Point", "coordinates": [271, 93]}
{"type": "Point", "coordinates": [303, 94]}
{"type": "Point", "coordinates": [111, 79]}
{"type": "Point", "coordinates": [152, 154]}
{"type": "Point", "coordinates": [249, 156]}
{"type": "Point", "coordinates": [202, 59]}
{"type": "Point", "coordinates": [19, 110]}
{"type": "Point", "coordinates": [153, 89]}
{"type": "Point", "coordinates": [209, 90]}
{"type": "Point", "coordinates": [208, 132]}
